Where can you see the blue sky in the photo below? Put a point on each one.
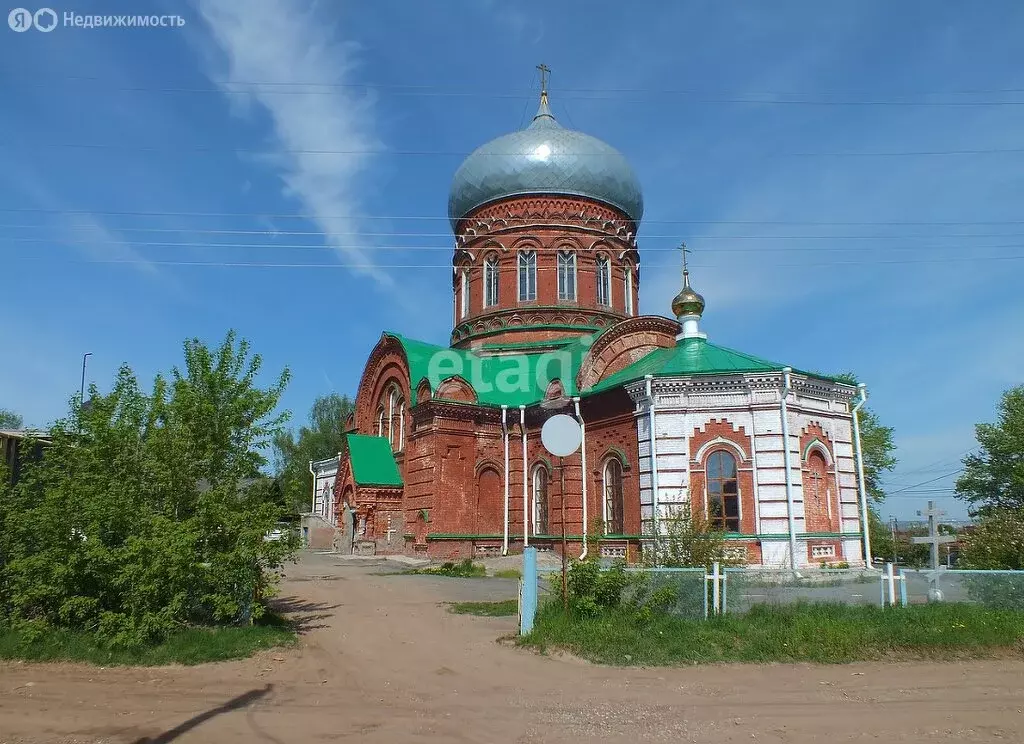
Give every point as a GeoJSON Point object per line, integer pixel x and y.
{"type": "Point", "coordinates": [848, 175]}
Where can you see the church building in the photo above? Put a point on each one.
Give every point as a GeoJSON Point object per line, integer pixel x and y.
{"type": "Point", "coordinates": [445, 458]}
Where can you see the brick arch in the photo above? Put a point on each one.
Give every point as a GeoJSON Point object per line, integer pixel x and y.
{"type": "Point", "coordinates": [457, 389]}
{"type": "Point", "coordinates": [489, 499]}
{"type": "Point", "coordinates": [820, 487]}
{"type": "Point", "coordinates": [722, 434]}
{"type": "Point", "coordinates": [622, 344]}
{"type": "Point", "coordinates": [387, 364]}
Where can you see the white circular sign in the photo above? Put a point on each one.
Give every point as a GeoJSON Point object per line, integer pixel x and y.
{"type": "Point", "coordinates": [20, 20]}
{"type": "Point", "coordinates": [561, 435]}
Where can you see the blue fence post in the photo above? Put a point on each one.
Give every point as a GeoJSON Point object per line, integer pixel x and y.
{"type": "Point", "coordinates": [528, 591]}
{"type": "Point", "coordinates": [903, 588]}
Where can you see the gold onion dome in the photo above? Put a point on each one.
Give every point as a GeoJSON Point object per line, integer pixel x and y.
{"type": "Point", "coordinates": [687, 302]}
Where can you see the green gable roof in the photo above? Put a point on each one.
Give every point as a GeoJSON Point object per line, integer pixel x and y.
{"type": "Point", "coordinates": [373, 464]}
{"type": "Point", "coordinates": [524, 375]}
{"type": "Point", "coordinates": [690, 356]}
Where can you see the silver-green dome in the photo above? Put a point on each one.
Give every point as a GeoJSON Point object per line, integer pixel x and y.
{"type": "Point", "coordinates": [545, 158]}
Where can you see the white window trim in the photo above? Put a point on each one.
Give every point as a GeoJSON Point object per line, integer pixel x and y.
{"type": "Point", "coordinates": [571, 255]}
{"type": "Point", "coordinates": [604, 281]}
{"type": "Point", "coordinates": [823, 551]}
{"type": "Point", "coordinates": [463, 294]}
{"type": "Point", "coordinates": [604, 492]}
{"type": "Point", "coordinates": [527, 255]}
{"type": "Point", "coordinates": [490, 268]}
{"type": "Point", "coordinates": [627, 283]}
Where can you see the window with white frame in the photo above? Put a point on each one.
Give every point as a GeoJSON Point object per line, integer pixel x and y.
{"type": "Point", "coordinates": [540, 500]}
{"type": "Point", "coordinates": [395, 420]}
{"type": "Point", "coordinates": [604, 281]}
{"type": "Point", "coordinates": [491, 281]}
{"type": "Point", "coordinates": [463, 294]}
{"type": "Point", "coordinates": [527, 276]}
{"type": "Point", "coordinates": [566, 275]}
{"type": "Point", "coordinates": [380, 421]}
{"type": "Point", "coordinates": [627, 285]}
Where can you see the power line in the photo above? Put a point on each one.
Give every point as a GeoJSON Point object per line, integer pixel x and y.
{"type": "Point", "coordinates": [179, 149]}
{"type": "Point", "coordinates": [448, 266]}
{"type": "Point", "coordinates": [925, 483]}
{"type": "Point", "coordinates": [451, 248]}
{"type": "Point", "coordinates": [307, 216]}
{"type": "Point", "coordinates": [675, 237]}
{"type": "Point", "coordinates": [579, 94]}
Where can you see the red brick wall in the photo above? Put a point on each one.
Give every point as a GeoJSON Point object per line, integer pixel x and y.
{"type": "Point", "coordinates": [820, 494]}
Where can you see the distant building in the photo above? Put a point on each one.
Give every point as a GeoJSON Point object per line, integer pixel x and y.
{"type": "Point", "coordinates": [18, 446]}
{"type": "Point", "coordinates": [318, 525]}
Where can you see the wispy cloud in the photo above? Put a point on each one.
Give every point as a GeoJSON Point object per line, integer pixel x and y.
{"type": "Point", "coordinates": [269, 42]}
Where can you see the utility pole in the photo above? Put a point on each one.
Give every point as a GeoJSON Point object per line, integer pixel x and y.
{"type": "Point", "coordinates": [894, 528]}
{"type": "Point", "coordinates": [81, 392]}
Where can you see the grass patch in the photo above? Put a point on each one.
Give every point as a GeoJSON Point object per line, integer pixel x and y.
{"type": "Point", "coordinates": [508, 573]}
{"type": "Point", "coordinates": [463, 569]}
{"type": "Point", "coordinates": [191, 646]}
{"type": "Point", "coordinates": [822, 633]}
{"type": "Point", "coordinates": [504, 608]}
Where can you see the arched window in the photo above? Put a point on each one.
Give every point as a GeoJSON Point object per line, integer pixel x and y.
{"type": "Point", "coordinates": [566, 275]}
{"type": "Point", "coordinates": [540, 500]}
{"type": "Point", "coordinates": [613, 503]}
{"type": "Point", "coordinates": [604, 281]}
{"type": "Point", "coordinates": [395, 419]}
{"type": "Point", "coordinates": [463, 294]}
{"type": "Point", "coordinates": [491, 281]}
{"type": "Point", "coordinates": [627, 283]}
{"type": "Point", "coordinates": [380, 421]}
{"type": "Point", "coordinates": [723, 492]}
{"type": "Point", "coordinates": [527, 276]}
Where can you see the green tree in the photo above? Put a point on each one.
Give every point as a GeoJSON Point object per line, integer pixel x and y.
{"type": "Point", "coordinates": [876, 445]}
{"type": "Point", "coordinates": [993, 477]}
{"type": "Point", "coordinates": [688, 541]}
{"type": "Point", "coordinates": [9, 419]}
{"type": "Point", "coordinates": [148, 512]}
{"type": "Point", "coordinates": [995, 542]}
{"type": "Point", "coordinates": [321, 438]}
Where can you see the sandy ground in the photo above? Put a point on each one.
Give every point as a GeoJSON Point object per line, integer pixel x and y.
{"type": "Point", "coordinates": [382, 661]}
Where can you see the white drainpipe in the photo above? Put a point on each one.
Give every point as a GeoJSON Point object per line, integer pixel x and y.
{"type": "Point", "coordinates": [784, 413]}
{"type": "Point", "coordinates": [654, 461]}
{"type": "Point", "coordinates": [504, 437]}
{"type": "Point", "coordinates": [583, 466]}
{"type": "Point", "coordinates": [526, 509]}
{"type": "Point", "coordinates": [312, 506]}
{"type": "Point", "coordinates": [863, 390]}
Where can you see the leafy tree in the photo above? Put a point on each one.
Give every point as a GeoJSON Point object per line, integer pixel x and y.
{"type": "Point", "coordinates": [995, 542]}
{"type": "Point", "coordinates": [993, 478]}
{"type": "Point", "coordinates": [148, 512]}
{"type": "Point", "coordinates": [876, 445]}
{"type": "Point", "coordinates": [9, 419]}
{"type": "Point", "coordinates": [321, 438]}
{"type": "Point", "coordinates": [688, 541]}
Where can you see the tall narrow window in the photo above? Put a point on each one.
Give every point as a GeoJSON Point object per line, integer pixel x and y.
{"type": "Point", "coordinates": [604, 281]}
{"type": "Point", "coordinates": [527, 276]}
{"type": "Point", "coordinates": [627, 284]}
{"type": "Point", "coordinates": [723, 492]}
{"type": "Point", "coordinates": [392, 400]}
{"type": "Point", "coordinates": [380, 421]}
{"type": "Point", "coordinates": [540, 500]}
{"type": "Point", "coordinates": [463, 294]}
{"type": "Point", "coordinates": [566, 276]}
{"type": "Point", "coordinates": [491, 281]}
{"type": "Point", "coordinates": [613, 505]}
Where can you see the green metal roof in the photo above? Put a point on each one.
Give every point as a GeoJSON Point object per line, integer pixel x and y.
{"type": "Point", "coordinates": [373, 463]}
{"type": "Point", "coordinates": [690, 356]}
{"type": "Point", "coordinates": [522, 376]}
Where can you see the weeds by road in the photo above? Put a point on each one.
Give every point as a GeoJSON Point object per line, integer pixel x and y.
{"type": "Point", "coordinates": [191, 646]}
{"type": "Point", "coordinates": [502, 608]}
{"type": "Point", "coordinates": [823, 633]}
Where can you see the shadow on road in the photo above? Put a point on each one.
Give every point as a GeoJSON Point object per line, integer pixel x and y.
{"type": "Point", "coordinates": [236, 703]}
{"type": "Point", "coordinates": [304, 615]}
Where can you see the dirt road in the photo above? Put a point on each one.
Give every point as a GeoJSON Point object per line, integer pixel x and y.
{"type": "Point", "coordinates": [381, 661]}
